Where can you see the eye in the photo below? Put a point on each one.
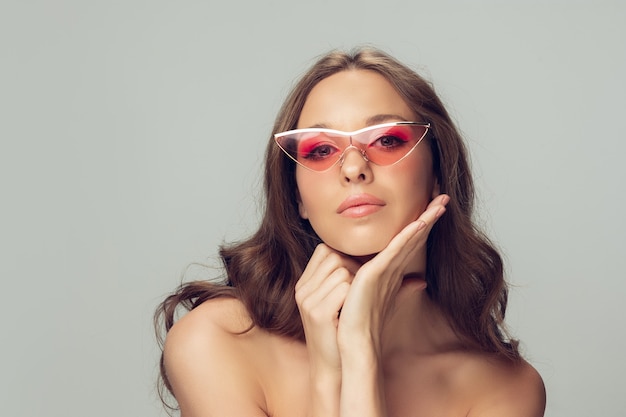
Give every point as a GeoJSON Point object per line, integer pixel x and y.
{"type": "Point", "coordinates": [318, 151]}
{"type": "Point", "coordinates": [389, 142]}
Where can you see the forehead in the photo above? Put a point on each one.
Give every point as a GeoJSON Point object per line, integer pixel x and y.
{"type": "Point", "coordinates": [350, 100]}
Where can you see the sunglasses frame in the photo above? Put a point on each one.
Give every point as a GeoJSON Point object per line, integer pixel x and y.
{"type": "Point", "coordinates": [277, 136]}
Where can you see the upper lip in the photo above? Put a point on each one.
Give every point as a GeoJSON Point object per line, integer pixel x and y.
{"type": "Point", "coordinates": [359, 200]}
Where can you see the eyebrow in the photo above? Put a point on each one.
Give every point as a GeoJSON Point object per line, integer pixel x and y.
{"type": "Point", "coordinates": [370, 121]}
{"type": "Point", "coordinates": [381, 118]}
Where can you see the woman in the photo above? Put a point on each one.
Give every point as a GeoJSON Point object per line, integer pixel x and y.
{"type": "Point", "coordinates": [367, 290]}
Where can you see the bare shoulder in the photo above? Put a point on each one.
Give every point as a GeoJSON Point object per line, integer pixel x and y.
{"type": "Point", "coordinates": [217, 320]}
{"type": "Point", "coordinates": [208, 363]}
{"type": "Point", "coordinates": [502, 388]}
{"type": "Point", "coordinates": [226, 313]}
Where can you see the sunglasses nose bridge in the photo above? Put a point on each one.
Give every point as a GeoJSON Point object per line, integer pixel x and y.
{"type": "Point", "coordinates": [351, 145]}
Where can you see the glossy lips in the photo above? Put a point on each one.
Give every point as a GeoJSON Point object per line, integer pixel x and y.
{"type": "Point", "coordinates": [360, 205]}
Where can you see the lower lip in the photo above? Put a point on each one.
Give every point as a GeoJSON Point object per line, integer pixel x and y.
{"type": "Point", "coordinates": [361, 211]}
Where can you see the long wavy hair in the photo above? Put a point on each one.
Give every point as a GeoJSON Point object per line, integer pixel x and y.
{"type": "Point", "coordinates": [464, 271]}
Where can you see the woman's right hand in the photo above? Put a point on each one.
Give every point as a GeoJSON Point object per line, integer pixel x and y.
{"type": "Point", "coordinates": [320, 294]}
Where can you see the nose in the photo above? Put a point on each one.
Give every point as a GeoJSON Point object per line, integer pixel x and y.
{"type": "Point", "coordinates": [355, 166]}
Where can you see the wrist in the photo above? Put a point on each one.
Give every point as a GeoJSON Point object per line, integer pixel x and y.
{"type": "Point", "coordinates": [324, 378]}
{"type": "Point", "coordinates": [359, 349]}
{"type": "Point", "coordinates": [325, 392]}
{"type": "Point", "coordinates": [362, 389]}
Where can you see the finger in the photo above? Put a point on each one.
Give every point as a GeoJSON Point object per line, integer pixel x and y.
{"type": "Point", "coordinates": [405, 241]}
{"type": "Point", "coordinates": [323, 276]}
{"type": "Point", "coordinates": [308, 301]}
{"type": "Point", "coordinates": [322, 264]}
{"type": "Point", "coordinates": [324, 308]}
{"type": "Point", "coordinates": [402, 247]}
{"type": "Point", "coordinates": [434, 211]}
{"type": "Point", "coordinates": [319, 254]}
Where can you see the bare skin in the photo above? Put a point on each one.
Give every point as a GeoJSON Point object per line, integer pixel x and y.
{"type": "Point", "coordinates": [376, 344]}
{"type": "Point", "coordinates": [420, 369]}
{"type": "Point", "coordinates": [215, 371]}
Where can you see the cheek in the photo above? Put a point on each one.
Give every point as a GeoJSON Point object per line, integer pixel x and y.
{"type": "Point", "coordinates": [308, 192]}
{"type": "Point", "coordinates": [416, 183]}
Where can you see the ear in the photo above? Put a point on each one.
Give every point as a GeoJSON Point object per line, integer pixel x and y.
{"type": "Point", "coordinates": [301, 208]}
{"type": "Point", "coordinates": [302, 211]}
{"type": "Point", "coordinates": [436, 189]}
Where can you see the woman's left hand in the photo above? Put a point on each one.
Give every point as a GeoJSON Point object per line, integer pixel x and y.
{"type": "Point", "coordinates": [377, 282]}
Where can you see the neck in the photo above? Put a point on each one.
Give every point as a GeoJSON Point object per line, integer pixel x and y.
{"type": "Point", "coordinates": [415, 325]}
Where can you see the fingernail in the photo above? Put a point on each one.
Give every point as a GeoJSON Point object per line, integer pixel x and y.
{"type": "Point", "coordinates": [445, 199]}
{"type": "Point", "coordinates": [420, 225]}
{"type": "Point", "coordinates": [440, 212]}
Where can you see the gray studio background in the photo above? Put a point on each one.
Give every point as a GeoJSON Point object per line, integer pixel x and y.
{"type": "Point", "coordinates": [132, 134]}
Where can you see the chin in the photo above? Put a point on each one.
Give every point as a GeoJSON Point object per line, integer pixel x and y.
{"type": "Point", "coordinates": [360, 248]}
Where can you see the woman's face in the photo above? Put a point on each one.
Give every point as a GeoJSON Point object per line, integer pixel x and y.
{"type": "Point", "coordinates": [381, 200]}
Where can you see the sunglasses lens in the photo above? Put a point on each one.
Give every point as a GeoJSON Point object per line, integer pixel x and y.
{"type": "Point", "coordinates": [319, 150]}
{"type": "Point", "coordinates": [387, 145]}
{"type": "Point", "coordinates": [315, 150]}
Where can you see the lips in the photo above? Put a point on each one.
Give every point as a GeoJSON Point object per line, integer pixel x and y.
{"type": "Point", "coordinates": [359, 205]}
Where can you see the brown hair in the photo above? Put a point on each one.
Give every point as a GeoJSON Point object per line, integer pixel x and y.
{"type": "Point", "coordinates": [464, 270]}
